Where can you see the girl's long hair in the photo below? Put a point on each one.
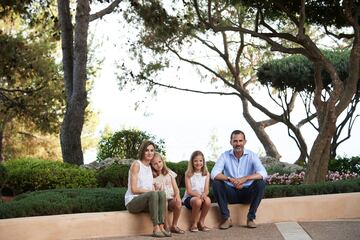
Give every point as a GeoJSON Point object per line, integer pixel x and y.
{"type": "Point", "coordinates": [164, 170]}
{"type": "Point", "coordinates": [190, 169]}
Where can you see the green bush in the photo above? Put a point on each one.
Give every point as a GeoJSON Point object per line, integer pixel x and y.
{"type": "Point", "coordinates": [278, 169]}
{"type": "Point", "coordinates": [3, 175]}
{"type": "Point", "coordinates": [125, 144]}
{"type": "Point", "coordinates": [33, 174]}
{"type": "Point", "coordinates": [64, 201]}
{"type": "Point", "coordinates": [343, 186]}
{"type": "Point", "coordinates": [180, 169]}
{"type": "Point", "coordinates": [344, 165]}
{"type": "Point", "coordinates": [115, 175]}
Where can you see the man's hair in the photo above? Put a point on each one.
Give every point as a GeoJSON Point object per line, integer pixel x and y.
{"type": "Point", "coordinates": [236, 132]}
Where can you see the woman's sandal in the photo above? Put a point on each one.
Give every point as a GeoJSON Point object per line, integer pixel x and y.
{"type": "Point", "coordinates": [158, 234]}
{"type": "Point", "coordinates": [204, 228]}
{"type": "Point", "coordinates": [194, 229]}
{"type": "Point", "coordinates": [166, 233]}
{"type": "Point", "coordinates": [177, 230]}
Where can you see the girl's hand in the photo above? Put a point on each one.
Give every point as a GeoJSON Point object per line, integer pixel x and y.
{"type": "Point", "coordinates": [157, 186]}
{"type": "Point", "coordinates": [177, 199]}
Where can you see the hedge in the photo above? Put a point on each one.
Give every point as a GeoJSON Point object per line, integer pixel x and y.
{"type": "Point", "coordinates": [64, 201]}
{"type": "Point", "coordinates": [28, 174]}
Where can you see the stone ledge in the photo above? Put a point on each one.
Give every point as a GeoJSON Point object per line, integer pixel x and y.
{"type": "Point", "coordinates": [122, 223]}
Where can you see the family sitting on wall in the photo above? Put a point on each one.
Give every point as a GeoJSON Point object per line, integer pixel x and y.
{"type": "Point", "coordinates": [238, 177]}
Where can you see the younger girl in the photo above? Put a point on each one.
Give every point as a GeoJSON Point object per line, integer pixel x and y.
{"type": "Point", "coordinates": [164, 180]}
{"type": "Point", "coordinates": [197, 188]}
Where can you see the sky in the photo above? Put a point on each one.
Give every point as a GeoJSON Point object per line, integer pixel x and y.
{"type": "Point", "coordinates": [186, 121]}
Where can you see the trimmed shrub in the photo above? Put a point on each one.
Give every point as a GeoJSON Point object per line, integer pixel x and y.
{"type": "Point", "coordinates": [180, 169]}
{"type": "Point", "coordinates": [64, 201]}
{"type": "Point", "coordinates": [33, 174]}
{"type": "Point", "coordinates": [342, 186]}
{"type": "Point", "coordinates": [115, 175]}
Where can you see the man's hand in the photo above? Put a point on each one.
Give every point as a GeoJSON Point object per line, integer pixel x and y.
{"type": "Point", "coordinates": [238, 182]}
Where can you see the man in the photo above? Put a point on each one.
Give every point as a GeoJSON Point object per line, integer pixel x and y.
{"type": "Point", "coordinates": [238, 178]}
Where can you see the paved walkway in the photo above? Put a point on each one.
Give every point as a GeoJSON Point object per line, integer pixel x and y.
{"type": "Point", "coordinates": [321, 230]}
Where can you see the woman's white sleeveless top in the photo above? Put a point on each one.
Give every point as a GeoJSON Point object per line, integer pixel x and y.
{"type": "Point", "coordinates": [144, 180]}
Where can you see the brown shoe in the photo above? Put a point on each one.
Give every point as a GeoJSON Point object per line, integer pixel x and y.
{"type": "Point", "coordinates": [226, 224]}
{"type": "Point", "coordinates": [250, 223]}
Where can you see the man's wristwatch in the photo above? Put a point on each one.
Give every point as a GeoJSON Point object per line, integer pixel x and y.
{"type": "Point", "coordinates": [228, 179]}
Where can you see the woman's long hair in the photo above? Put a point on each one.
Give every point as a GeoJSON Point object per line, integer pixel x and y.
{"type": "Point", "coordinates": [143, 147]}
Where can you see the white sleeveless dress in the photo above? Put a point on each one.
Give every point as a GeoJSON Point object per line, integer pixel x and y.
{"type": "Point", "coordinates": [197, 182]}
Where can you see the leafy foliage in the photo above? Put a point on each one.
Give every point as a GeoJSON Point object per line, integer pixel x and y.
{"type": "Point", "coordinates": [321, 12]}
{"type": "Point", "coordinates": [3, 175]}
{"type": "Point", "coordinates": [64, 201]}
{"type": "Point", "coordinates": [343, 186]}
{"type": "Point", "coordinates": [31, 86]}
{"type": "Point", "coordinates": [297, 71]}
{"type": "Point", "coordinates": [125, 144]}
{"type": "Point", "coordinates": [24, 140]}
{"type": "Point", "coordinates": [343, 165]}
{"type": "Point", "coordinates": [33, 174]}
{"type": "Point", "coordinates": [115, 175]}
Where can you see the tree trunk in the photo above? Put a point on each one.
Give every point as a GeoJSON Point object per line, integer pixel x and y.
{"type": "Point", "coordinates": [259, 129]}
{"type": "Point", "coordinates": [327, 116]}
{"type": "Point", "coordinates": [70, 135]}
{"type": "Point", "coordinates": [74, 64]}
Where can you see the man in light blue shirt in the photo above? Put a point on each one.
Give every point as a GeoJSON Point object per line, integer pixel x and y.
{"type": "Point", "coordinates": [238, 177]}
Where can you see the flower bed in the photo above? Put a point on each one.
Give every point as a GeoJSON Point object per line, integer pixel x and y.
{"type": "Point", "coordinates": [298, 178]}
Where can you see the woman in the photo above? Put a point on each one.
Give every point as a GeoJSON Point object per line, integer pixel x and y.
{"type": "Point", "coordinates": [141, 195]}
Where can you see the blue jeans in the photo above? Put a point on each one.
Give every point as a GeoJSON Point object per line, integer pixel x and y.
{"type": "Point", "coordinates": [225, 194]}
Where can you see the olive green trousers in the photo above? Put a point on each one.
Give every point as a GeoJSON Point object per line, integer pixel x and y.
{"type": "Point", "coordinates": [153, 202]}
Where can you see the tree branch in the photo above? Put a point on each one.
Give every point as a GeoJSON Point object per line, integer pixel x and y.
{"type": "Point", "coordinates": [109, 9]}
{"type": "Point", "coordinates": [189, 90]}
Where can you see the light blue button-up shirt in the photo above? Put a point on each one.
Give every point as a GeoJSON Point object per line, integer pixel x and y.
{"type": "Point", "coordinates": [230, 166]}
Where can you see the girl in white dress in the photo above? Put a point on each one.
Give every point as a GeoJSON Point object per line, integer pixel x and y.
{"type": "Point", "coordinates": [197, 179]}
{"type": "Point", "coordinates": [141, 195]}
{"type": "Point", "coordinates": [164, 180]}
